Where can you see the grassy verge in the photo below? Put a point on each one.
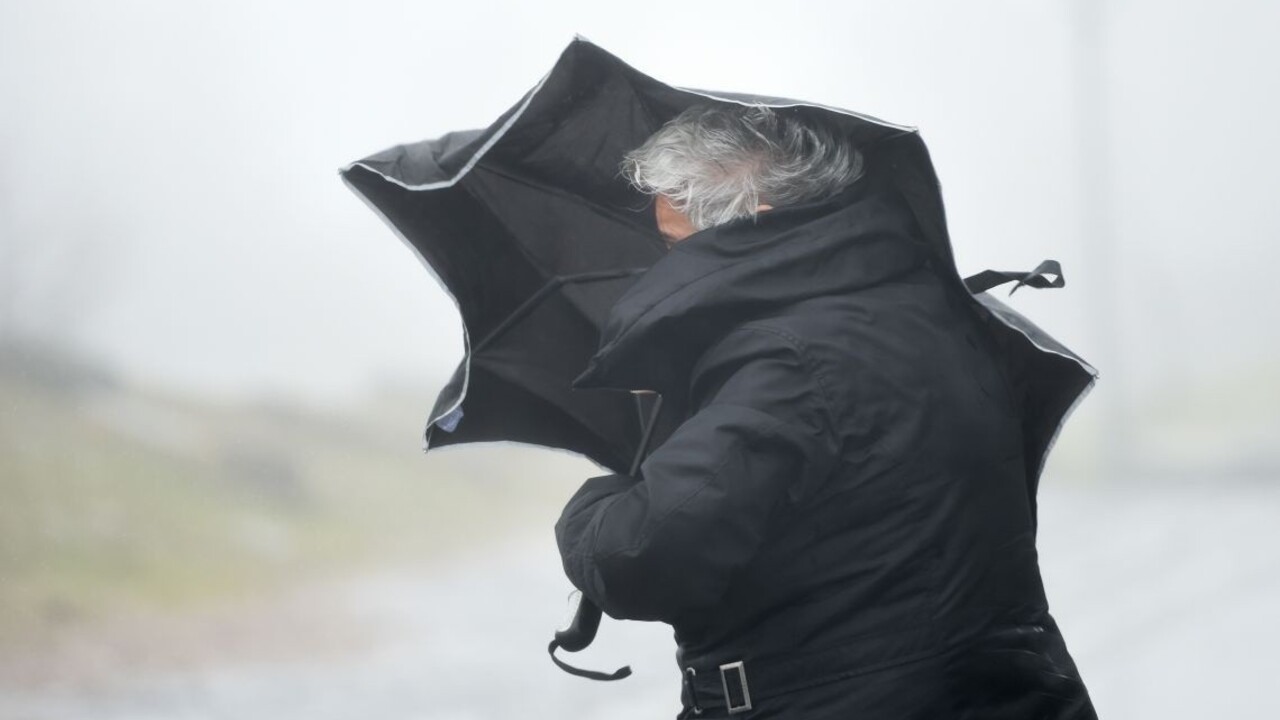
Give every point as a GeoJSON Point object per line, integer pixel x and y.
{"type": "Point", "coordinates": [120, 500]}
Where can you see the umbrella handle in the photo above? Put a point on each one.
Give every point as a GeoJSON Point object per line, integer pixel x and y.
{"type": "Point", "coordinates": [586, 621]}
{"type": "Point", "coordinates": [580, 633]}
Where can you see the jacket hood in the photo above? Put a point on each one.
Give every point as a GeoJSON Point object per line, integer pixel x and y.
{"type": "Point", "coordinates": [732, 273]}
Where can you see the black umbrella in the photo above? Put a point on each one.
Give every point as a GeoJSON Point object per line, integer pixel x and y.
{"type": "Point", "coordinates": [532, 230]}
{"type": "Point", "coordinates": [533, 269]}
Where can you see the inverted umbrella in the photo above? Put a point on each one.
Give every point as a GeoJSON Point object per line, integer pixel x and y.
{"type": "Point", "coordinates": [533, 232]}
{"type": "Point", "coordinates": [533, 269]}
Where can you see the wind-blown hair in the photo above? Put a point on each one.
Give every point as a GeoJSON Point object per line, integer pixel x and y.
{"type": "Point", "coordinates": [716, 163]}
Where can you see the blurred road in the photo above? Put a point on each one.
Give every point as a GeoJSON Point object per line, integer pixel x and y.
{"type": "Point", "coordinates": [1166, 597]}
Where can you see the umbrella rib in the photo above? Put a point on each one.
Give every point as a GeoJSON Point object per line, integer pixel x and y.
{"type": "Point", "coordinates": [563, 194]}
{"type": "Point", "coordinates": [556, 280]}
{"type": "Point", "coordinates": [543, 292]}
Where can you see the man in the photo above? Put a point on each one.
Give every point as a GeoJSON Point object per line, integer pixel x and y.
{"type": "Point", "coordinates": [840, 526]}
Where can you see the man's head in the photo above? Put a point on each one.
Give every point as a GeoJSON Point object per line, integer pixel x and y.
{"type": "Point", "coordinates": [715, 163]}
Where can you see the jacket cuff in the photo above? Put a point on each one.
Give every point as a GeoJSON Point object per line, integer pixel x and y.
{"type": "Point", "coordinates": [572, 534]}
{"type": "Point", "coordinates": [597, 488]}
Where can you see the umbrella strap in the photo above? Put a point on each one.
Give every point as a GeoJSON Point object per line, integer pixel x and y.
{"type": "Point", "coordinates": [988, 279]}
{"type": "Point", "coordinates": [589, 674]}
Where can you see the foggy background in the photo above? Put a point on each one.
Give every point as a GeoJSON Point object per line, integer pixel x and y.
{"type": "Point", "coordinates": [216, 362]}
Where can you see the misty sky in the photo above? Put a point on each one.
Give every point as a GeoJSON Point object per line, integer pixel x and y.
{"type": "Point", "coordinates": [169, 196]}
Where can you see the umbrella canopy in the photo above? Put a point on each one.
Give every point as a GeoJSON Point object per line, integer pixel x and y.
{"type": "Point", "coordinates": [532, 230]}
{"type": "Point", "coordinates": [533, 238]}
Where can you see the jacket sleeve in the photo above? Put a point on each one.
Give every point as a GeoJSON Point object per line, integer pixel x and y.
{"type": "Point", "coordinates": [761, 436]}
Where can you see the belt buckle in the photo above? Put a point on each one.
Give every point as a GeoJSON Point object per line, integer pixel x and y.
{"type": "Point", "coordinates": [724, 681]}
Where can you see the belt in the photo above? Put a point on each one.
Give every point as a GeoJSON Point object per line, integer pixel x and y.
{"type": "Point", "coordinates": [735, 686]}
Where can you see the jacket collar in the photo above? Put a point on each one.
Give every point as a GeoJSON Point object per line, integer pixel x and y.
{"type": "Point", "coordinates": [732, 273]}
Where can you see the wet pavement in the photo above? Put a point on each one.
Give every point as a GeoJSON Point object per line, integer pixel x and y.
{"type": "Point", "coordinates": [1166, 598]}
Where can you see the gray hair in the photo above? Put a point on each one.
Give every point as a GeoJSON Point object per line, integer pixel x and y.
{"type": "Point", "coordinates": [716, 163]}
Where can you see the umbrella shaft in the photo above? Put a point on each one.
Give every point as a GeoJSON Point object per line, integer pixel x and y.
{"type": "Point", "coordinates": [648, 432]}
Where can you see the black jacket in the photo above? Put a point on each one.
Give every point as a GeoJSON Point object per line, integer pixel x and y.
{"type": "Point", "coordinates": [844, 505]}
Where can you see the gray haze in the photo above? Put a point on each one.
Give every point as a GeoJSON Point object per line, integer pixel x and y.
{"type": "Point", "coordinates": [188, 542]}
{"type": "Point", "coordinates": [169, 197]}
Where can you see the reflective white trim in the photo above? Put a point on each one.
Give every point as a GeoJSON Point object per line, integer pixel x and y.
{"type": "Point", "coordinates": [493, 140]}
{"type": "Point", "coordinates": [998, 309]}
{"type": "Point", "coordinates": [841, 111]}
{"type": "Point", "coordinates": [474, 158]}
{"type": "Point", "coordinates": [1062, 423]}
{"type": "Point", "coordinates": [521, 444]}
{"type": "Point", "coordinates": [466, 339]}
{"type": "Point", "coordinates": [999, 313]}
{"type": "Point", "coordinates": [798, 103]}
{"type": "Point", "coordinates": [533, 93]}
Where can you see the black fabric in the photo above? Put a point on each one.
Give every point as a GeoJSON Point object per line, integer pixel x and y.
{"type": "Point", "coordinates": [844, 503]}
{"type": "Point", "coordinates": [988, 279]}
{"type": "Point", "coordinates": [899, 406]}
{"type": "Point", "coordinates": [994, 677]}
{"type": "Point", "coordinates": [619, 674]}
{"type": "Point", "coordinates": [499, 213]}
